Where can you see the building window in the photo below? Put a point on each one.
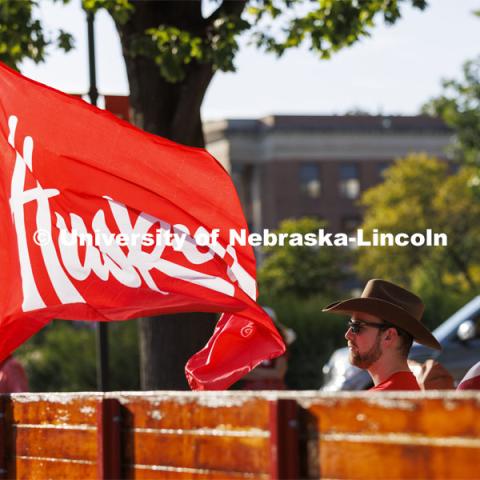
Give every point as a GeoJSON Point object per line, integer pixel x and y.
{"type": "Point", "coordinates": [310, 180]}
{"type": "Point", "coordinates": [242, 178]}
{"type": "Point", "coordinates": [349, 181]}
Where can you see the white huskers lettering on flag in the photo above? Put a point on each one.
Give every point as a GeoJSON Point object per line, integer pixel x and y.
{"type": "Point", "coordinates": [128, 269]}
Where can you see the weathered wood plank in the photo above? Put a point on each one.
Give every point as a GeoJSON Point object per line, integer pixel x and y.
{"type": "Point", "coordinates": [147, 473]}
{"type": "Point", "coordinates": [366, 460]}
{"type": "Point", "coordinates": [55, 442]}
{"type": "Point", "coordinates": [380, 436]}
{"type": "Point", "coordinates": [53, 409]}
{"type": "Point", "coordinates": [192, 412]}
{"type": "Point", "coordinates": [25, 468]}
{"type": "Point", "coordinates": [199, 450]}
{"type": "Point", "coordinates": [382, 415]}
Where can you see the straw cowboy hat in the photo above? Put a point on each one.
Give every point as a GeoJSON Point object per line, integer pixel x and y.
{"type": "Point", "coordinates": [392, 304]}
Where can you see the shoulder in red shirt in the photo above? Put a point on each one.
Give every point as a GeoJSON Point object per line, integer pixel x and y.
{"type": "Point", "coordinates": [398, 381]}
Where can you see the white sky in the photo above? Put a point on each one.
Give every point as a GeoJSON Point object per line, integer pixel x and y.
{"type": "Point", "coordinates": [394, 72]}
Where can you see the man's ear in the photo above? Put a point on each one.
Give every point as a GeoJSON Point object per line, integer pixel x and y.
{"type": "Point", "coordinates": [390, 333]}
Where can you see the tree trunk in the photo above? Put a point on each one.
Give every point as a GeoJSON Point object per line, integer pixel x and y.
{"type": "Point", "coordinates": [166, 343]}
{"type": "Point", "coordinates": [171, 110]}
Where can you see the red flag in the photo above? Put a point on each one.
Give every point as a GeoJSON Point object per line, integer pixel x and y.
{"type": "Point", "coordinates": [102, 221]}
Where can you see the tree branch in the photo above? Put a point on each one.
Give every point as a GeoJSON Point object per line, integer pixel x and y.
{"type": "Point", "coordinates": [226, 9]}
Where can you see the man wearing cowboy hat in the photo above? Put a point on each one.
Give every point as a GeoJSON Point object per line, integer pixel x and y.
{"type": "Point", "coordinates": [384, 322]}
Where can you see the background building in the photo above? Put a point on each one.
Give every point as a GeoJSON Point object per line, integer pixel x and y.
{"type": "Point", "coordinates": [293, 166]}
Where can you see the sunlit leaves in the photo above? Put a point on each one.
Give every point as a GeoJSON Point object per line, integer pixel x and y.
{"type": "Point", "coordinates": [419, 194]}
{"type": "Point", "coordinates": [326, 26]}
{"type": "Point", "coordinates": [176, 48]}
{"type": "Point", "coordinates": [459, 107]}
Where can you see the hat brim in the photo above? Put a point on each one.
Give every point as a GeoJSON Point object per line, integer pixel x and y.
{"type": "Point", "coordinates": [389, 313]}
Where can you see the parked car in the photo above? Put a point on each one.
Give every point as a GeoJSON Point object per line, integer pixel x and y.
{"type": "Point", "coordinates": [459, 336]}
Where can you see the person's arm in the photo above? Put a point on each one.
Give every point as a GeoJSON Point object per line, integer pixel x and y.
{"type": "Point", "coordinates": [432, 375]}
{"type": "Point", "coordinates": [15, 377]}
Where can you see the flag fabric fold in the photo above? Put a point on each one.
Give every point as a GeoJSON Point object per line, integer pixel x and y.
{"type": "Point", "coordinates": [102, 221]}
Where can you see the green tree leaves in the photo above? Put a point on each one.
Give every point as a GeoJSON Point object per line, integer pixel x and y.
{"type": "Point", "coordinates": [301, 271]}
{"type": "Point", "coordinates": [459, 107]}
{"type": "Point", "coordinates": [174, 48]}
{"type": "Point", "coordinates": [326, 26]}
{"type": "Point", "coordinates": [22, 36]}
{"type": "Point", "coordinates": [176, 40]}
{"type": "Point", "coordinates": [62, 357]}
{"type": "Point", "coordinates": [418, 194]}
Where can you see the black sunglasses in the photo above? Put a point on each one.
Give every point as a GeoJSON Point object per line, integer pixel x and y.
{"type": "Point", "coordinates": [356, 327]}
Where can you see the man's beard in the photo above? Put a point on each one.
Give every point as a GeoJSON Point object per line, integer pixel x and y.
{"type": "Point", "coordinates": [364, 360]}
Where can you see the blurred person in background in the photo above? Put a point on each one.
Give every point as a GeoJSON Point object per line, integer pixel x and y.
{"type": "Point", "coordinates": [13, 378]}
{"type": "Point", "coordinates": [432, 375]}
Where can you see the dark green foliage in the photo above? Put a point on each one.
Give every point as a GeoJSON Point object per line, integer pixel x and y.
{"type": "Point", "coordinates": [459, 107]}
{"type": "Point", "coordinates": [22, 36]}
{"type": "Point", "coordinates": [440, 303]}
{"type": "Point", "coordinates": [62, 357]}
{"type": "Point", "coordinates": [301, 270]}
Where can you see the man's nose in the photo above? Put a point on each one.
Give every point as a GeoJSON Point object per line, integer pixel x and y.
{"type": "Point", "coordinates": [348, 334]}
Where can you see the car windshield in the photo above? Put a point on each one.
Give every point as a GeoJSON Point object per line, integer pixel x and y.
{"type": "Point", "coordinates": [450, 326]}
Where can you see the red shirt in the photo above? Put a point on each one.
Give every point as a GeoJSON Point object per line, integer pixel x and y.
{"type": "Point", "coordinates": [398, 381]}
